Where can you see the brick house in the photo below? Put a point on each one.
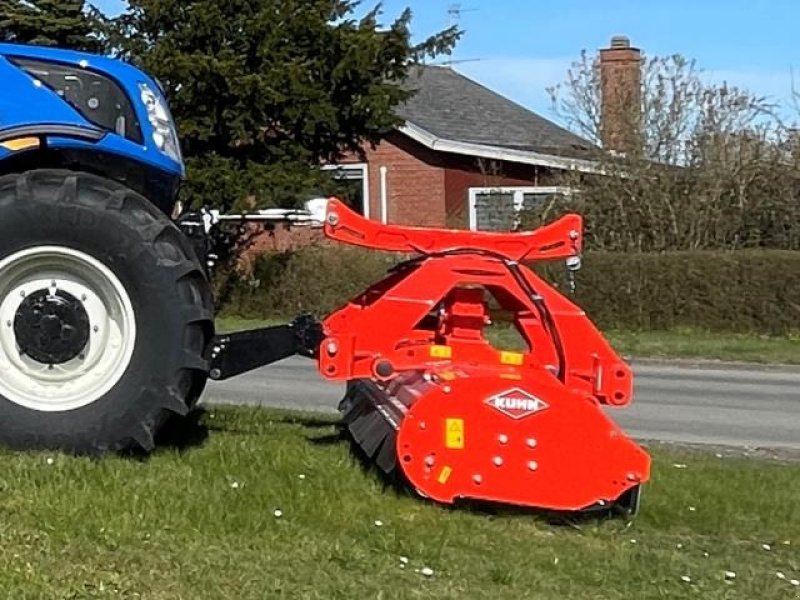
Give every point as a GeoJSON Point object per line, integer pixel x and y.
{"type": "Point", "coordinates": [467, 157]}
{"type": "Point", "coordinates": [462, 147]}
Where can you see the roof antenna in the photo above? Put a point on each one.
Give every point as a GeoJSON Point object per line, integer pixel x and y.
{"type": "Point", "coordinates": [454, 12]}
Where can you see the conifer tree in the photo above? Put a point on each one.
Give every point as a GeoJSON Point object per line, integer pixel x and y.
{"type": "Point", "coordinates": [265, 91]}
{"type": "Point", "coordinates": [63, 23]}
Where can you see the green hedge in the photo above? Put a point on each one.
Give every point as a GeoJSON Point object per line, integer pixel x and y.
{"type": "Point", "coordinates": [746, 291]}
{"type": "Point", "coordinates": [315, 279]}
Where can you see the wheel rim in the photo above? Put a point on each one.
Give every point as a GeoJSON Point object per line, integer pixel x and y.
{"type": "Point", "coordinates": [86, 363]}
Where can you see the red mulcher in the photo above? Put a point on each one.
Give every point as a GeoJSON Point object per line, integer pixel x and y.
{"type": "Point", "coordinates": [428, 395]}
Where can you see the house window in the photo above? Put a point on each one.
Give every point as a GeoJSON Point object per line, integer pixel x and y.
{"type": "Point", "coordinates": [499, 208]}
{"type": "Point", "coordinates": [355, 181]}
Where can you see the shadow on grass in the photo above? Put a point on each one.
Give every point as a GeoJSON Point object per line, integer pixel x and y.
{"type": "Point", "coordinates": [331, 439]}
{"type": "Point", "coordinates": [312, 422]}
{"type": "Point", "coordinates": [178, 434]}
{"type": "Point", "coordinates": [567, 519]}
{"type": "Point", "coordinates": [184, 433]}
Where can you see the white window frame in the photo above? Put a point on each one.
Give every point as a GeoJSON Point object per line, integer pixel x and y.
{"type": "Point", "coordinates": [519, 193]}
{"type": "Point", "coordinates": [364, 168]}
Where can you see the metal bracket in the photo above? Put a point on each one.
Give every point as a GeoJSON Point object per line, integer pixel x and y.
{"type": "Point", "coordinates": [236, 353]}
{"type": "Point", "coordinates": [210, 232]}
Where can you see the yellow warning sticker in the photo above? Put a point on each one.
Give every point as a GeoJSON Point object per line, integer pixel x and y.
{"type": "Point", "coordinates": [444, 475]}
{"type": "Point", "coordinates": [511, 358]}
{"type": "Point", "coordinates": [454, 434]}
{"type": "Point", "coordinates": [511, 376]}
{"type": "Point", "coordinates": [441, 352]}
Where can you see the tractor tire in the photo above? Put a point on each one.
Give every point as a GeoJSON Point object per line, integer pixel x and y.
{"type": "Point", "coordinates": [106, 316]}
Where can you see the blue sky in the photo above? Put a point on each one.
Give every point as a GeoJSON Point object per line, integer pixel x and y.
{"type": "Point", "coordinates": [526, 46]}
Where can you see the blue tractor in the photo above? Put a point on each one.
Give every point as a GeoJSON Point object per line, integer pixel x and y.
{"type": "Point", "coordinates": [106, 314]}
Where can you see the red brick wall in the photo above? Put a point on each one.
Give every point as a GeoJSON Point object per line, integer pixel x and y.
{"type": "Point", "coordinates": [283, 238]}
{"type": "Point", "coordinates": [464, 173]}
{"type": "Point", "coordinates": [431, 188]}
{"type": "Point", "coordinates": [425, 188]}
{"type": "Point", "coordinates": [621, 97]}
{"type": "Point", "coordinates": [414, 182]}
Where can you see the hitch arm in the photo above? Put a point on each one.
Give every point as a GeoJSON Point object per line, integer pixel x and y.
{"type": "Point", "coordinates": [236, 353]}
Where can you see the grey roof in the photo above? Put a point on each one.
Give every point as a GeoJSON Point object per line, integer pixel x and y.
{"type": "Point", "coordinates": [454, 107]}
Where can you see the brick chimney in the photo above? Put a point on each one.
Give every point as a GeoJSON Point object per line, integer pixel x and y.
{"type": "Point", "coordinates": [620, 81]}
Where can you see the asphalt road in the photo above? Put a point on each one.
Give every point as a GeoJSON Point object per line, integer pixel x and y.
{"type": "Point", "coordinates": [730, 405]}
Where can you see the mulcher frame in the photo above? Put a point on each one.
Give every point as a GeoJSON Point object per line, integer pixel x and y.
{"type": "Point", "coordinates": [378, 333]}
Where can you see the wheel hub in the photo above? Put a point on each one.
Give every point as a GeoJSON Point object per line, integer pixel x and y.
{"type": "Point", "coordinates": [67, 328]}
{"type": "Point", "coordinates": [51, 327]}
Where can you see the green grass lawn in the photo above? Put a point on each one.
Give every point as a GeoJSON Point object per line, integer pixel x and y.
{"type": "Point", "coordinates": [683, 343]}
{"type": "Point", "coordinates": [228, 323]}
{"type": "Point", "coordinates": [201, 523]}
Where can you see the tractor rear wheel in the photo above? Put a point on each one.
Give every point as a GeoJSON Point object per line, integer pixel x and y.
{"type": "Point", "coordinates": [106, 316]}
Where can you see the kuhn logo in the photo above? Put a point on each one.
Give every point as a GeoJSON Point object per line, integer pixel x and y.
{"type": "Point", "coordinates": [517, 403]}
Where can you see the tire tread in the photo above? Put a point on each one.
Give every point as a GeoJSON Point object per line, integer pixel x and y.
{"type": "Point", "coordinates": [174, 254]}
